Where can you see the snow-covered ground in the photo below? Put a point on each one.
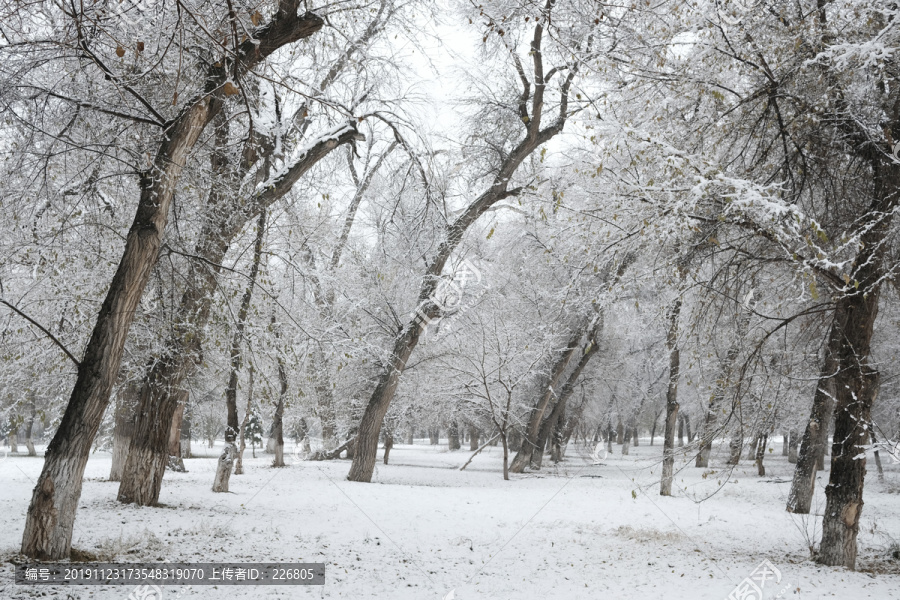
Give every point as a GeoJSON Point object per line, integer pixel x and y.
{"type": "Point", "coordinates": [423, 529]}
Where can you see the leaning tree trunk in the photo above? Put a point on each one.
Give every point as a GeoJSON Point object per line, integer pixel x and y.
{"type": "Point", "coordinates": [803, 484]}
{"type": "Point", "coordinates": [529, 448]}
{"type": "Point", "coordinates": [429, 308]}
{"type": "Point", "coordinates": [226, 218]}
{"type": "Point", "coordinates": [51, 514]}
{"type": "Point", "coordinates": [552, 422]}
{"type": "Point", "coordinates": [668, 466]}
{"type": "Point", "coordinates": [142, 478]}
{"type": "Point", "coordinates": [370, 426]}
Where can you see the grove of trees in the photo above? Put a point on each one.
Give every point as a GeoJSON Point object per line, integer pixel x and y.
{"type": "Point", "coordinates": [518, 222]}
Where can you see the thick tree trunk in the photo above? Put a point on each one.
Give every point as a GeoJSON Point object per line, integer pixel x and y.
{"type": "Point", "coordinates": [51, 515]}
{"type": "Point", "coordinates": [620, 433]}
{"type": "Point", "coordinates": [626, 442]}
{"type": "Point", "coordinates": [687, 426]}
{"type": "Point", "coordinates": [844, 492]}
{"type": "Point", "coordinates": [680, 430]}
{"type": "Point", "coordinates": [434, 436]}
{"type": "Point", "coordinates": [803, 483]}
{"type": "Point", "coordinates": [370, 426]}
{"type": "Point", "coordinates": [552, 422]}
{"type": "Point", "coordinates": [665, 486]}
{"type": "Point", "coordinates": [856, 381]}
{"type": "Point", "coordinates": [544, 435]}
{"type": "Point", "coordinates": [856, 386]}
{"type": "Point", "coordinates": [529, 450]}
